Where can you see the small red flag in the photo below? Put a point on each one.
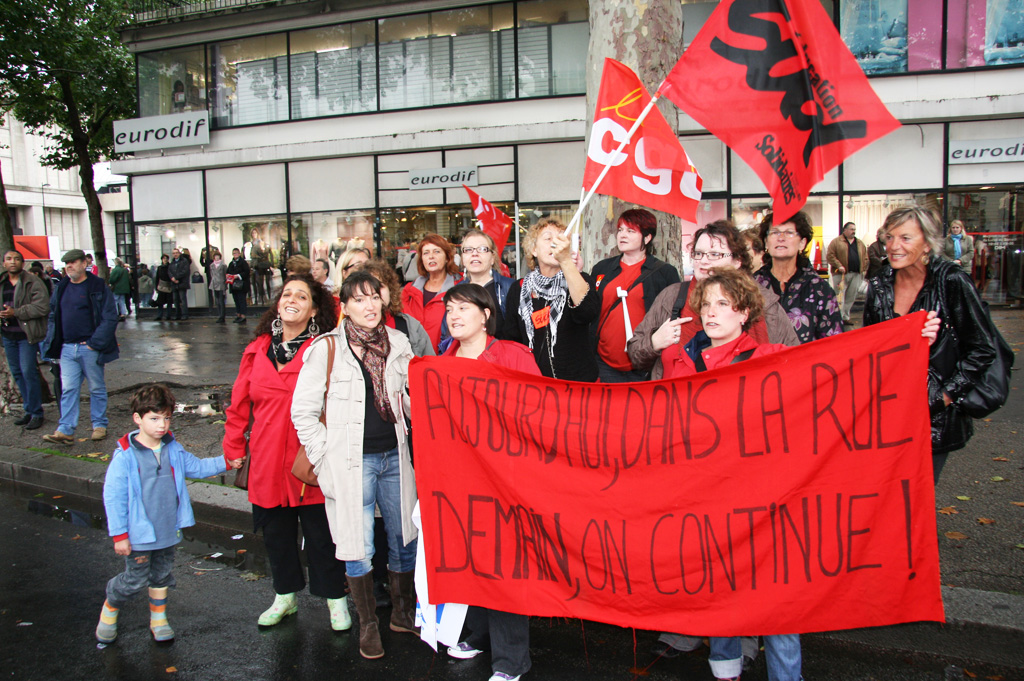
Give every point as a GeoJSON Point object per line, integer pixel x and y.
{"type": "Point", "coordinates": [653, 169]}
{"type": "Point", "coordinates": [774, 81]}
{"type": "Point", "coordinates": [495, 223]}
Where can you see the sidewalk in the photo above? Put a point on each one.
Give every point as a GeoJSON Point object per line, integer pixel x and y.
{"type": "Point", "coordinates": [982, 563]}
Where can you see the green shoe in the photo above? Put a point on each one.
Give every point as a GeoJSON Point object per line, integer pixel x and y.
{"type": "Point", "coordinates": [341, 620]}
{"type": "Point", "coordinates": [284, 605]}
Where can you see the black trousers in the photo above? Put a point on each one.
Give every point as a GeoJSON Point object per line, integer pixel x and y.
{"type": "Point", "coordinates": [507, 635]}
{"type": "Point", "coordinates": [239, 298]}
{"type": "Point", "coordinates": [281, 537]}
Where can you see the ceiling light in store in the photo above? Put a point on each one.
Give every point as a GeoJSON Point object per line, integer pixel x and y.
{"type": "Point", "coordinates": [169, 233]}
{"type": "Point", "coordinates": [983, 188]}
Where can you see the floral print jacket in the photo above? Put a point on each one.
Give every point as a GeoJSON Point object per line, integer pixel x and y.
{"type": "Point", "coordinates": [808, 300]}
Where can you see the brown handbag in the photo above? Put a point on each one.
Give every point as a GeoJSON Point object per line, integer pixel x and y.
{"type": "Point", "coordinates": [242, 474]}
{"type": "Point", "coordinates": [302, 468]}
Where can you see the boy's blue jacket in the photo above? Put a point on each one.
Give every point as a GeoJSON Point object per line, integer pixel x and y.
{"type": "Point", "coordinates": [122, 488]}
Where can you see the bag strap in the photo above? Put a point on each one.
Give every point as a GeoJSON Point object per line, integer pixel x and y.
{"type": "Point", "coordinates": [677, 308]}
{"type": "Point", "coordinates": [331, 348]}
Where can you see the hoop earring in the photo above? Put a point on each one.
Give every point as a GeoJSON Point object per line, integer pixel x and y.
{"type": "Point", "coordinates": [314, 330]}
{"type": "Point", "coordinates": [277, 326]}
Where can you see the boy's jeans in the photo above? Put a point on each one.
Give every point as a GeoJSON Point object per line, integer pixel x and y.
{"type": "Point", "coordinates": [143, 569]}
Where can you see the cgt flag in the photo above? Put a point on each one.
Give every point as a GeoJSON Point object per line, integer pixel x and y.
{"type": "Point", "coordinates": [653, 169]}
{"type": "Point", "coordinates": [775, 82]}
{"type": "Point", "coordinates": [495, 223]}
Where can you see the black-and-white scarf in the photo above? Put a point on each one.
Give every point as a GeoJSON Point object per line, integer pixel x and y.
{"type": "Point", "coordinates": [284, 350]}
{"type": "Point", "coordinates": [552, 290]}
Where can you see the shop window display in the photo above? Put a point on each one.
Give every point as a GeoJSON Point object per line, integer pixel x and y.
{"type": "Point", "coordinates": [327, 235]}
{"type": "Point", "coordinates": [263, 241]}
{"type": "Point", "coordinates": [172, 81]}
{"type": "Point", "coordinates": [995, 220]}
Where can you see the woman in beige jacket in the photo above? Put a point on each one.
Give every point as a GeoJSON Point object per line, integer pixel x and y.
{"type": "Point", "coordinates": [361, 456]}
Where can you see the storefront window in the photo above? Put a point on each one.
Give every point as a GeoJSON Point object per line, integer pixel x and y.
{"type": "Point", "coordinates": [822, 211]}
{"type": "Point", "coordinates": [447, 57]}
{"type": "Point", "coordinates": [984, 32]}
{"type": "Point", "coordinates": [172, 81]}
{"type": "Point", "coordinates": [893, 36]}
{"type": "Point", "coordinates": [328, 235]}
{"type": "Point", "coordinates": [553, 40]}
{"type": "Point", "coordinates": [334, 70]}
{"type": "Point", "coordinates": [401, 225]}
{"type": "Point", "coordinates": [995, 220]}
{"type": "Point", "coordinates": [155, 240]}
{"type": "Point", "coordinates": [263, 241]}
{"type": "Point", "coordinates": [250, 80]}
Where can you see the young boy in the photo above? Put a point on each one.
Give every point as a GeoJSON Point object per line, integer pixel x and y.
{"type": "Point", "coordinates": [147, 504]}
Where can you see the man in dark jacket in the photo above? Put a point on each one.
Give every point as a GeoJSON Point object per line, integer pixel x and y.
{"type": "Point", "coordinates": [238, 284]}
{"type": "Point", "coordinates": [25, 308]}
{"type": "Point", "coordinates": [180, 273]}
{"type": "Point", "coordinates": [80, 333]}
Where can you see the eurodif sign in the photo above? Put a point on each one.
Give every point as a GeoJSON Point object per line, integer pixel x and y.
{"type": "Point", "coordinates": [162, 132]}
{"type": "Point", "coordinates": [435, 178]}
{"type": "Point", "coordinates": [986, 151]}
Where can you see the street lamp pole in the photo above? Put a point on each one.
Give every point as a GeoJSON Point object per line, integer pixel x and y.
{"type": "Point", "coordinates": [42, 192]}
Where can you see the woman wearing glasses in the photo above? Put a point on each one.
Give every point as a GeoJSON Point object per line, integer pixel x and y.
{"type": "Point", "coordinates": [808, 299]}
{"type": "Point", "coordinates": [672, 320]}
{"type": "Point", "coordinates": [479, 258]}
{"type": "Point", "coordinates": [628, 284]}
{"type": "Point", "coordinates": [424, 297]}
{"type": "Point", "coordinates": [351, 260]}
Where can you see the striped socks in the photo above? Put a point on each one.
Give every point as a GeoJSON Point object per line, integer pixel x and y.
{"type": "Point", "coordinates": [158, 615]}
{"type": "Point", "coordinates": [106, 630]}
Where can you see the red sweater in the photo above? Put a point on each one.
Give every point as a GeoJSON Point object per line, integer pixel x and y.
{"type": "Point", "coordinates": [508, 354]}
{"type": "Point", "coordinates": [678, 364]}
{"type": "Point", "coordinates": [430, 315]}
{"type": "Point", "coordinates": [273, 443]}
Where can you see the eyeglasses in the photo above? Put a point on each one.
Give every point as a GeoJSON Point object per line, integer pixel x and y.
{"type": "Point", "coordinates": [713, 256]}
{"type": "Point", "coordinates": [784, 233]}
{"type": "Point", "coordinates": [469, 250]}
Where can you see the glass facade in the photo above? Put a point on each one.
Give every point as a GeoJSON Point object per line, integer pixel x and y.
{"type": "Point", "coordinates": [995, 219]}
{"type": "Point", "coordinates": [470, 54]}
{"type": "Point", "coordinates": [172, 81]}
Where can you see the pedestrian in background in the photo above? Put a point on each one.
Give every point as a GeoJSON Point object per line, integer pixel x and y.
{"type": "Point", "coordinates": [180, 272]}
{"type": "Point", "coordinates": [238, 283]}
{"type": "Point", "coordinates": [147, 505]}
{"type": "Point", "coordinates": [146, 287]}
{"type": "Point", "coordinates": [121, 286]}
{"type": "Point", "coordinates": [958, 248]}
{"type": "Point", "coordinates": [847, 256]}
{"type": "Point", "coordinates": [877, 258]}
{"type": "Point", "coordinates": [218, 272]}
{"type": "Point", "coordinates": [164, 288]}
{"type": "Point", "coordinates": [81, 334]}
{"type": "Point", "coordinates": [25, 310]}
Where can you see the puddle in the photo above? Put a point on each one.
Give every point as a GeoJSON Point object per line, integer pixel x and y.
{"type": "Point", "coordinates": [68, 515]}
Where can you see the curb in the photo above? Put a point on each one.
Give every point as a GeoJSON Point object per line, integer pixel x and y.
{"type": "Point", "coordinates": [981, 626]}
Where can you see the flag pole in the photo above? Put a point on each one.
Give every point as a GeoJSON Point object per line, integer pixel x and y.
{"type": "Point", "coordinates": [604, 171]}
{"type": "Point", "coordinates": [515, 224]}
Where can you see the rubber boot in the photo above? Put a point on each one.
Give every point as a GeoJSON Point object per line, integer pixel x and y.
{"type": "Point", "coordinates": [106, 630]}
{"type": "Point", "coordinates": [284, 605]}
{"type": "Point", "coordinates": [341, 620]}
{"type": "Point", "coordinates": [158, 615]}
{"type": "Point", "coordinates": [403, 596]}
{"type": "Point", "coordinates": [366, 607]}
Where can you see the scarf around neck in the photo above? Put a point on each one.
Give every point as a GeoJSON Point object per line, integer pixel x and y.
{"type": "Point", "coordinates": [957, 245]}
{"type": "Point", "coordinates": [376, 347]}
{"type": "Point", "coordinates": [553, 291]}
{"type": "Point", "coordinates": [284, 351]}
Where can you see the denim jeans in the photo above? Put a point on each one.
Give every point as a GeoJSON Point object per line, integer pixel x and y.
{"type": "Point", "coordinates": [782, 653]}
{"type": "Point", "coordinates": [21, 360]}
{"type": "Point", "coordinates": [382, 487]}
{"type": "Point", "coordinates": [180, 302]}
{"type": "Point", "coordinates": [142, 569]}
{"type": "Point", "coordinates": [122, 309]}
{"type": "Point", "coordinates": [78, 362]}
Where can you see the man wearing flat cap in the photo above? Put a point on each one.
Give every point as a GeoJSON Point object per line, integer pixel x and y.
{"type": "Point", "coordinates": [80, 334]}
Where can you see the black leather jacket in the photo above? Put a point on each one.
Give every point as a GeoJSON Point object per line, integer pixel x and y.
{"type": "Point", "coordinates": [963, 351]}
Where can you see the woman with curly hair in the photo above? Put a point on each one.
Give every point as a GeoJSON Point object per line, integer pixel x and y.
{"type": "Point", "coordinates": [259, 421]}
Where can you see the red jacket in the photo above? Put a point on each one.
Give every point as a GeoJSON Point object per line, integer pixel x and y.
{"type": "Point", "coordinates": [508, 354]}
{"type": "Point", "coordinates": [273, 443]}
{"type": "Point", "coordinates": [678, 363]}
{"type": "Point", "coordinates": [430, 315]}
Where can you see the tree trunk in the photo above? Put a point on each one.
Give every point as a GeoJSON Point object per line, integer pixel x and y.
{"type": "Point", "coordinates": [6, 233]}
{"type": "Point", "coordinates": [648, 38]}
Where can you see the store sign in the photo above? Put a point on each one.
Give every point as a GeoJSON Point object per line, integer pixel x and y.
{"type": "Point", "coordinates": [162, 132]}
{"type": "Point", "coordinates": [986, 151]}
{"type": "Point", "coordinates": [436, 178]}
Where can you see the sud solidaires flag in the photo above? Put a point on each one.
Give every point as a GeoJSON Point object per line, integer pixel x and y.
{"type": "Point", "coordinates": [653, 170]}
{"type": "Point", "coordinates": [495, 223]}
{"type": "Point", "coordinates": [776, 83]}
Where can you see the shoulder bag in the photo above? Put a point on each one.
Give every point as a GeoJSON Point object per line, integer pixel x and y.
{"type": "Point", "coordinates": [993, 387]}
{"type": "Point", "coordinates": [302, 468]}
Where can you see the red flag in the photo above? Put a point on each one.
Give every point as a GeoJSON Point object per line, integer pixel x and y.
{"type": "Point", "coordinates": [653, 169]}
{"type": "Point", "coordinates": [495, 223]}
{"type": "Point", "coordinates": [775, 82]}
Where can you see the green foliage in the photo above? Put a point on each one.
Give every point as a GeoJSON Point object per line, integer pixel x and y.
{"type": "Point", "coordinates": [65, 73]}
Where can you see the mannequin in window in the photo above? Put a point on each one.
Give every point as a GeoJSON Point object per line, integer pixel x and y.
{"type": "Point", "coordinates": [178, 97]}
{"type": "Point", "coordinates": [337, 248]}
{"type": "Point", "coordinates": [319, 250]}
{"type": "Point", "coordinates": [262, 273]}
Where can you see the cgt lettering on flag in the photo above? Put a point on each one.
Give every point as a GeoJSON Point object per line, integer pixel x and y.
{"type": "Point", "coordinates": [775, 82]}
{"type": "Point", "coordinates": [653, 169]}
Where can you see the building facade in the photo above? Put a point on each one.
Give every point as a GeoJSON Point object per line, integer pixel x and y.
{"type": "Point", "coordinates": [325, 117]}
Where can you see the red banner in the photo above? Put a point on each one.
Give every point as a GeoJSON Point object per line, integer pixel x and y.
{"type": "Point", "coordinates": [653, 169]}
{"type": "Point", "coordinates": [787, 494]}
{"type": "Point", "coordinates": [33, 247]}
{"type": "Point", "coordinates": [495, 223]}
{"type": "Point", "coordinates": [774, 81]}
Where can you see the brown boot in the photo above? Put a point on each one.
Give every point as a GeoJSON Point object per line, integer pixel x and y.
{"type": "Point", "coordinates": [403, 597]}
{"type": "Point", "coordinates": [366, 607]}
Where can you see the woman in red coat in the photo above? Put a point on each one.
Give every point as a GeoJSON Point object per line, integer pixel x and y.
{"type": "Point", "coordinates": [261, 410]}
{"type": "Point", "coordinates": [423, 299]}
{"type": "Point", "coordinates": [472, 320]}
